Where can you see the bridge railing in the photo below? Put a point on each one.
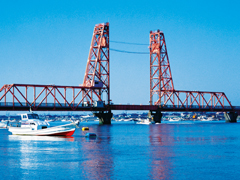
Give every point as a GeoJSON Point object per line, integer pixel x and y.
{"type": "Point", "coordinates": [190, 107]}
{"type": "Point", "coordinates": [23, 104]}
{"type": "Point", "coordinates": [173, 108]}
{"type": "Point", "coordinates": [90, 107]}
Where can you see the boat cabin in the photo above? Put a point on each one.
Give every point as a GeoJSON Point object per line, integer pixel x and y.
{"type": "Point", "coordinates": [32, 121]}
{"type": "Point", "coordinates": [29, 116]}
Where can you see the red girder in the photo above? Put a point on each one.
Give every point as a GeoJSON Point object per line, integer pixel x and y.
{"type": "Point", "coordinates": [194, 98]}
{"type": "Point", "coordinates": [172, 108]}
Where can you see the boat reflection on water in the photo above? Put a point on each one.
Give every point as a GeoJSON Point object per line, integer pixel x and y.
{"type": "Point", "coordinates": [40, 138]}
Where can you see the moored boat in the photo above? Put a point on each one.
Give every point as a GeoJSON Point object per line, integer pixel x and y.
{"type": "Point", "coordinates": [31, 125]}
{"type": "Point", "coordinates": [145, 121]}
{"type": "Point", "coordinates": [3, 124]}
{"type": "Point", "coordinates": [175, 119]}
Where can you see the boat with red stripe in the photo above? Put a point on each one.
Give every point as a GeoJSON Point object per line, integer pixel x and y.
{"type": "Point", "coordinates": [31, 125]}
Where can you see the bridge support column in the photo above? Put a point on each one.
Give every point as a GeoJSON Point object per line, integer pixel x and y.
{"type": "Point", "coordinates": [104, 117]}
{"type": "Point", "coordinates": [155, 116]}
{"type": "Point", "coordinates": [231, 117]}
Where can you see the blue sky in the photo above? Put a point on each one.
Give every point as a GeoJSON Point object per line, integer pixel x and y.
{"type": "Point", "coordinates": [47, 42]}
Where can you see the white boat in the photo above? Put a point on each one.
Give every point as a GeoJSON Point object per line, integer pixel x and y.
{"type": "Point", "coordinates": [88, 118]}
{"type": "Point", "coordinates": [127, 119]}
{"type": "Point", "coordinates": [3, 124]}
{"type": "Point", "coordinates": [175, 119]}
{"type": "Point", "coordinates": [31, 125]}
{"type": "Point", "coordinates": [145, 121]}
{"type": "Point", "coordinates": [204, 119]}
{"type": "Point", "coordinates": [211, 119]}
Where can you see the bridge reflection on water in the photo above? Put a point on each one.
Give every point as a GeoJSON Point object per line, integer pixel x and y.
{"type": "Point", "coordinates": [125, 151]}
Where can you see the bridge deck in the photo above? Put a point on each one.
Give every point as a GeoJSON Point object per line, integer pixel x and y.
{"type": "Point", "coordinates": [75, 107]}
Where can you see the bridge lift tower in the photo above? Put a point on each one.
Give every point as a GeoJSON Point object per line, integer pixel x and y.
{"type": "Point", "coordinates": [163, 94]}
{"type": "Point", "coordinates": [97, 70]}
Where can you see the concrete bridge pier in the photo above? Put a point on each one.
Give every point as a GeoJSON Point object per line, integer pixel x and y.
{"type": "Point", "coordinates": [231, 117]}
{"type": "Point", "coordinates": [104, 117]}
{"type": "Point", "coordinates": [155, 116]}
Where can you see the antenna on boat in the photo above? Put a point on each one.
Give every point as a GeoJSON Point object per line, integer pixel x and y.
{"type": "Point", "coordinates": [30, 110]}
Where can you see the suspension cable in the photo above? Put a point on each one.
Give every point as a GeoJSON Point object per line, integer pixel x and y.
{"type": "Point", "coordinates": [122, 51]}
{"type": "Point", "coordinates": [139, 44]}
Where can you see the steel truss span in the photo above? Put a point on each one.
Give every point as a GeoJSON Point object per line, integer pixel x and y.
{"type": "Point", "coordinates": [47, 97]}
{"type": "Point", "coordinates": [191, 99]}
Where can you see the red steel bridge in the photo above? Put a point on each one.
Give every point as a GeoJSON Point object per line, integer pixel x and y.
{"type": "Point", "coordinates": [94, 94]}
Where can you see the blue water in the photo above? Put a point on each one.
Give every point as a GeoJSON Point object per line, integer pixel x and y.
{"type": "Point", "coordinates": [189, 150]}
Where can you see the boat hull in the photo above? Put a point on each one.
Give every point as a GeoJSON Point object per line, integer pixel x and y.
{"type": "Point", "coordinates": [145, 121]}
{"type": "Point", "coordinates": [64, 130]}
{"type": "Point", "coordinates": [3, 125]}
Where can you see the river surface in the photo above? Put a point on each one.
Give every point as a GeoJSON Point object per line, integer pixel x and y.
{"type": "Point", "coordinates": [124, 150]}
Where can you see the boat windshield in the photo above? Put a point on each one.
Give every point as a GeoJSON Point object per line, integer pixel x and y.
{"type": "Point", "coordinates": [33, 116]}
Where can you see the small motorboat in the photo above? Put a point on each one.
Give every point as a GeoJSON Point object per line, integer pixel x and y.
{"type": "Point", "coordinates": [145, 121]}
{"type": "Point", "coordinates": [175, 119]}
{"type": "Point", "coordinates": [90, 135]}
{"type": "Point", "coordinates": [3, 124]}
{"type": "Point", "coordinates": [31, 125]}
